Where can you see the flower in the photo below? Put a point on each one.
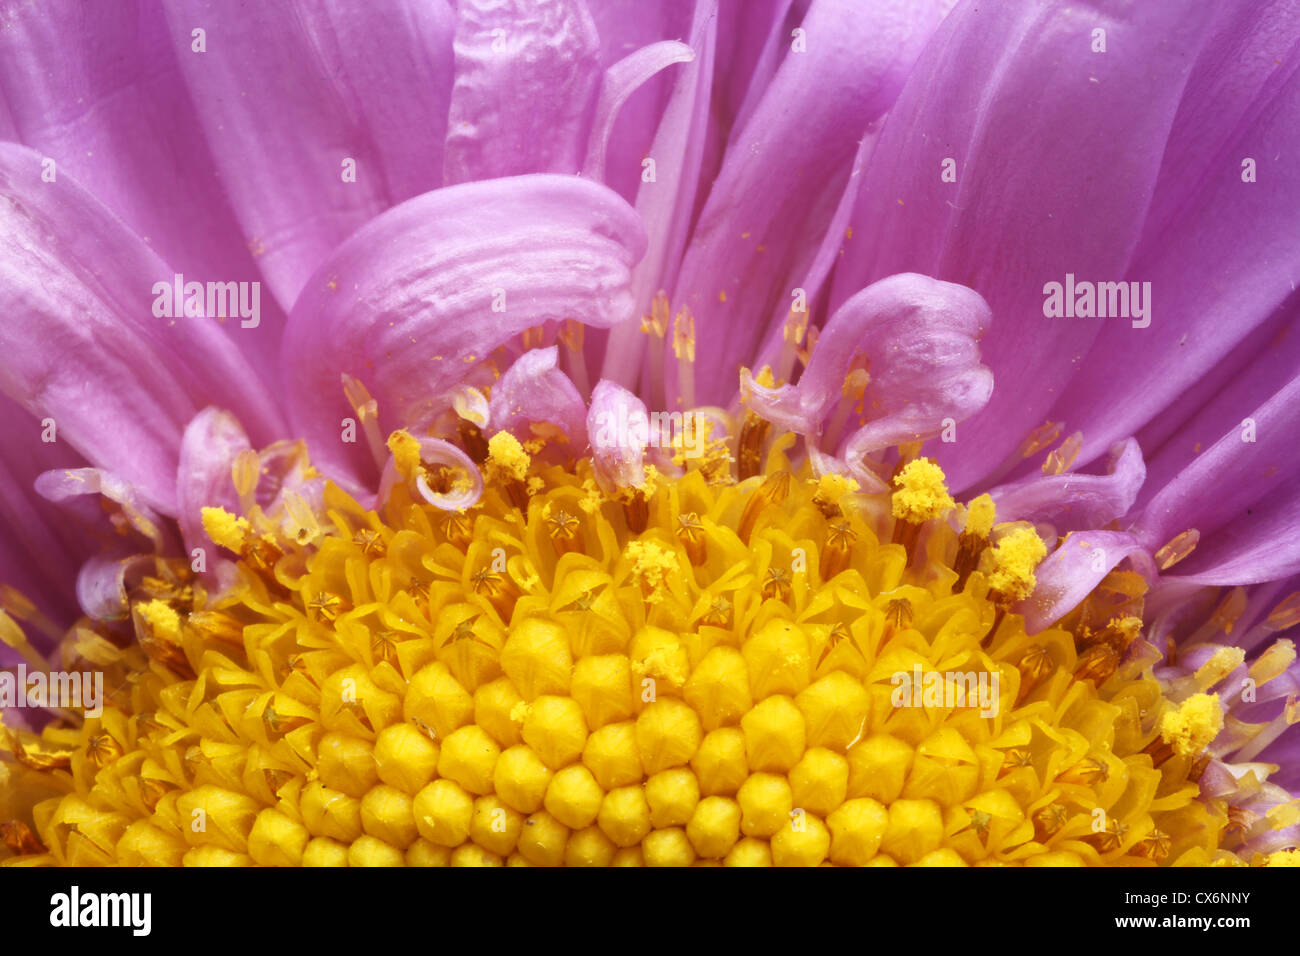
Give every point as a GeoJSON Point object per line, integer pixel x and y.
{"type": "Point", "coordinates": [662, 440]}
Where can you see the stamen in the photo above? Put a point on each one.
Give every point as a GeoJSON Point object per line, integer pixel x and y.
{"type": "Point", "coordinates": [1060, 459]}
{"type": "Point", "coordinates": [839, 545]}
{"type": "Point", "coordinates": [1178, 549]}
{"type": "Point", "coordinates": [564, 530]}
{"type": "Point", "coordinates": [749, 447]}
{"type": "Point", "coordinates": [684, 350]}
{"type": "Point", "coordinates": [367, 411]}
{"type": "Point", "coordinates": [571, 336]}
{"type": "Point", "coordinates": [773, 491]}
{"type": "Point", "coordinates": [690, 532]}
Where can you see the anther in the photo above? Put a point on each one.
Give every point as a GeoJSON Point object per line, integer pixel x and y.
{"type": "Point", "coordinates": [564, 530]}
{"type": "Point", "coordinates": [1048, 821]}
{"type": "Point", "coordinates": [690, 532]}
{"type": "Point", "coordinates": [1177, 549]}
{"type": "Point", "coordinates": [839, 546]}
{"type": "Point", "coordinates": [773, 491]}
{"type": "Point", "coordinates": [749, 447]}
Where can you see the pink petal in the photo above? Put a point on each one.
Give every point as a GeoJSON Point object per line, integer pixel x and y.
{"type": "Point", "coordinates": [534, 392]}
{"type": "Point", "coordinates": [667, 204]}
{"type": "Point", "coordinates": [919, 337]}
{"type": "Point", "coordinates": [620, 81]}
{"type": "Point", "coordinates": [1227, 252]}
{"type": "Point", "coordinates": [782, 174]}
{"type": "Point", "coordinates": [97, 88]}
{"type": "Point", "coordinates": [1069, 573]}
{"type": "Point", "coordinates": [526, 83]}
{"type": "Point", "coordinates": [81, 343]}
{"type": "Point", "coordinates": [1076, 502]}
{"type": "Point", "coordinates": [617, 425]}
{"type": "Point", "coordinates": [1012, 93]}
{"type": "Point", "coordinates": [204, 478]}
{"type": "Point", "coordinates": [406, 304]}
{"type": "Point", "coordinates": [289, 91]}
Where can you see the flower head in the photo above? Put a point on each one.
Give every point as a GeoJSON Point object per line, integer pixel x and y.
{"type": "Point", "coordinates": [602, 479]}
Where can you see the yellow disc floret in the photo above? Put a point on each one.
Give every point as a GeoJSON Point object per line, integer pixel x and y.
{"type": "Point", "coordinates": [705, 669]}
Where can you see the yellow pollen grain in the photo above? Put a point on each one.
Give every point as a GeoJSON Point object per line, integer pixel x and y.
{"type": "Point", "coordinates": [1283, 858]}
{"type": "Point", "coordinates": [834, 487]}
{"type": "Point", "coordinates": [162, 619]}
{"type": "Point", "coordinates": [227, 530]}
{"type": "Point", "coordinates": [1015, 558]}
{"type": "Point", "coordinates": [922, 493]}
{"type": "Point", "coordinates": [980, 514]}
{"type": "Point", "coordinates": [652, 563]}
{"type": "Point", "coordinates": [1193, 725]}
{"type": "Point", "coordinates": [520, 711]}
{"type": "Point", "coordinates": [506, 456]}
{"type": "Point", "coordinates": [406, 452]}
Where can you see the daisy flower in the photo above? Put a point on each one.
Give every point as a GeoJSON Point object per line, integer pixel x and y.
{"type": "Point", "coordinates": [586, 432]}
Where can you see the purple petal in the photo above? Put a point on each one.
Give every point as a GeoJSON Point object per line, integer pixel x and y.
{"type": "Point", "coordinates": [620, 81]}
{"type": "Point", "coordinates": [624, 27]}
{"type": "Point", "coordinates": [1076, 502]}
{"type": "Point", "coordinates": [204, 479]}
{"type": "Point", "coordinates": [617, 425]}
{"type": "Point", "coordinates": [919, 338]}
{"type": "Point", "coordinates": [97, 88]}
{"type": "Point", "coordinates": [81, 343]}
{"type": "Point", "coordinates": [526, 82]}
{"type": "Point", "coordinates": [1069, 573]}
{"type": "Point", "coordinates": [534, 392]}
{"type": "Point", "coordinates": [1226, 253]}
{"type": "Point", "coordinates": [1012, 93]}
{"type": "Point", "coordinates": [667, 203]}
{"type": "Point", "coordinates": [428, 289]}
{"type": "Point", "coordinates": [783, 172]}
{"type": "Point", "coordinates": [288, 92]}
{"type": "Point", "coordinates": [1246, 470]}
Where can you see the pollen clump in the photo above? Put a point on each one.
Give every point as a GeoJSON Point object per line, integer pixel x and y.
{"type": "Point", "coordinates": [1014, 558]}
{"type": "Point", "coordinates": [225, 529]}
{"type": "Point", "coordinates": [1191, 727]}
{"type": "Point", "coordinates": [921, 494]}
{"type": "Point", "coordinates": [701, 669]}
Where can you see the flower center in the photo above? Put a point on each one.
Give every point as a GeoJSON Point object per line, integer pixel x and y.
{"type": "Point", "coordinates": [770, 669]}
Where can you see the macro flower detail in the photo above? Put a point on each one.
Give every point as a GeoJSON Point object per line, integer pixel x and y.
{"type": "Point", "coordinates": [651, 445]}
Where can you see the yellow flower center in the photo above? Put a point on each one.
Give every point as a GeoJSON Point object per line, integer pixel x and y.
{"type": "Point", "coordinates": [775, 670]}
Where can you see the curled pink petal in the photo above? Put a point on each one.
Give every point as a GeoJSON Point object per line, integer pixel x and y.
{"type": "Point", "coordinates": [422, 293]}
{"type": "Point", "coordinates": [102, 584]}
{"type": "Point", "coordinates": [918, 338]}
{"type": "Point", "coordinates": [209, 447]}
{"type": "Point", "coordinates": [532, 393]}
{"type": "Point", "coordinates": [1070, 573]}
{"type": "Point", "coordinates": [68, 484]}
{"type": "Point", "coordinates": [1076, 502]}
{"type": "Point", "coordinates": [620, 81]}
{"type": "Point", "coordinates": [435, 452]}
{"type": "Point", "coordinates": [526, 81]}
{"type": "Point", "coordinates": [618, 427]}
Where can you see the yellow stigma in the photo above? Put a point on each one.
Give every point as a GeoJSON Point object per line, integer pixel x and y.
{"type": "Point", "coordinates": [711, 668]}
{"type": "Point", "coordinates": [980, 514]}
{"type": "Point", "coordinates": [1014, 559]}
{"type": "Point", "coordinates": [507, 457]}
{"type": "Point", "coordinates": [922, 494]}
{"type": "Point", "coordinates": [1191, 727]}
{"type": "Point", "coordinates": [227, 530]}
